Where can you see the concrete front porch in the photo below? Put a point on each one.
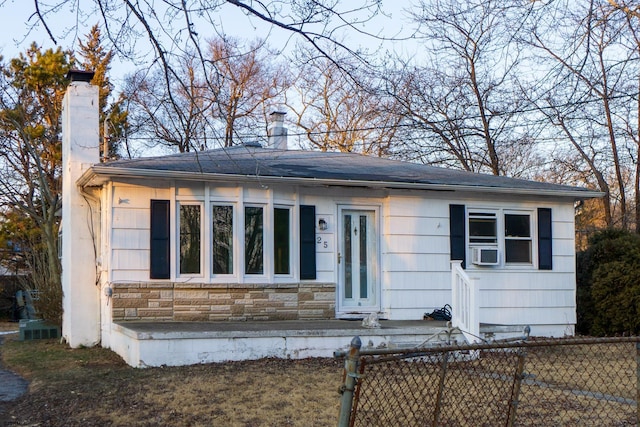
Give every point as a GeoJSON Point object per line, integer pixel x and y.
{"type": "Point", "coordinates": [145, 344]}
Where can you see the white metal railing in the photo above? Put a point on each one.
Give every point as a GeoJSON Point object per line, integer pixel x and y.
{"type": "Point", "coordinates": [465, 304]}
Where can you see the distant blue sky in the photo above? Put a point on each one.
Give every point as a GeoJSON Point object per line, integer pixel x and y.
{"type": "Point", "coordinates": [15, 21]}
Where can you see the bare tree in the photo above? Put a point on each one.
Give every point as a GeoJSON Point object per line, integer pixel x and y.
{"type": "Point", "coordinates": [199, 110]}
{"type": "Point", "coordinates": [174, 116]}
{"type": "Point", "coordinates": [244, 82]}
{"type": "Point", "coordinates": [163, 33]}
{"type": "Point", "coordinates": [631, 117]}
{"type": "Point", "coordinates": [462, 100]}
{"type": "Point", "coordinates": [631, 9]}
{"type": "Point", "coordinates": [342, 112]}
{"type": "Point", "coordinates": [586, 56]}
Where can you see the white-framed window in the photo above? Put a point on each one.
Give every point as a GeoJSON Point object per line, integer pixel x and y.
{"type": "Point", "coordinates": [518, 242]}
{"type": "Point", "coordinates": [501, 237]}
{"type": "Point", "coordinates": [228, 238]}
{"type": "Point", "coordinates": [483, 228]}
{"type": "Point", "coordinates": [253, 240]}
{"type": "Point", "coordinates": [282, 240]}
{"type": "Point", "coordinates": [222, 247]}
{"type": "Point", "coordinates": [190, 238]}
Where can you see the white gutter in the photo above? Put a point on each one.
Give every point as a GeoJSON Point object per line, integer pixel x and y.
{"type": "Point", "coordinates": [97, 175]}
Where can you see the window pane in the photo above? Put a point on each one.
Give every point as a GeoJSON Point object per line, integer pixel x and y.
{"type": "Point", "coordinates": [348, 278]}
{"type": "Point", "coordinates": [483, 228]}
{"type": "Point", "coordinates": [517, 243]}
{"type": "Point", "coordinates": [222, 239]}
{"type": "Point", "coordinates": [517, 225]}
{"type": "Point", "coordinates": [518, 251]}
{"type": "Point", "coordinates": [363, 257]}
{"type": "Point", "coordinates": [253, 251]}
{"type": "Point", "coordinates": [189, 239]}
{"type": "Point", "coordinates": [281, 240]}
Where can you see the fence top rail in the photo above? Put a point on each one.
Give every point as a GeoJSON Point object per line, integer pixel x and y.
{"type": "Point", "coordinates": [536, 342]}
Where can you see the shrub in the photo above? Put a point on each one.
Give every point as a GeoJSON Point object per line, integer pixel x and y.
{"type": "Point", "coordinates": [608, 292]}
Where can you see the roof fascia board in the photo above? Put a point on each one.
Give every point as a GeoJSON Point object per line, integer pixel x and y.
{"type": "Point", "coordinates": [102, 173]}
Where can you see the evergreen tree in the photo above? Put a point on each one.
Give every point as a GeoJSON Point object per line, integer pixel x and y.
{"type": "Point", "coordinates": [95, 57]}
{"type": "Point", "coordinates": [32, 87]}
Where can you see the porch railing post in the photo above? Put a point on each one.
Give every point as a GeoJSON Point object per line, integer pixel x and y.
{"type": "Point", "coordinates": [466, 302]}
{"type": "Point", "coordinates": [351, 363]}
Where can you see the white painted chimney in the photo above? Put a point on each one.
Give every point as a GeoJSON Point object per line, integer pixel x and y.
{"type": "Point", "coordinates": [277, 132]}
{"type": "Point", "coordinates": [80, 150]}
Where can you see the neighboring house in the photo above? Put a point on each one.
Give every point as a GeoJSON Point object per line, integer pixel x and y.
{"type": "Point", "coordinates": [9, 285]}
{"type": "Point", "coordinates": [265, 233]}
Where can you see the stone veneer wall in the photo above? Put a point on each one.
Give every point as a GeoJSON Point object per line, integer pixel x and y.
{"type": "Point", "coordinates": [220, 302]}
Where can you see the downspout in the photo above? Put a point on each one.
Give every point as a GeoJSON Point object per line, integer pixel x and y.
{"type": "Point", "coordinates": [95, 227]}
{"type": "Point", "coordinates": [88, 197]}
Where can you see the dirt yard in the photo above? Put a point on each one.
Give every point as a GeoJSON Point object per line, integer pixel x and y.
{"type": "Point", "coordinates": [90, 387]}
{"type": "Point", "coordinates": [565, 384]}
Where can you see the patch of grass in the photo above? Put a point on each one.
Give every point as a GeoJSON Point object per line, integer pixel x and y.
{"type": "Point", "coordinates": [93, 386]}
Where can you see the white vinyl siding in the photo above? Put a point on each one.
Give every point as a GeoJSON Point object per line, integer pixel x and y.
{"type": "Point", "coordinates": [413, 246]}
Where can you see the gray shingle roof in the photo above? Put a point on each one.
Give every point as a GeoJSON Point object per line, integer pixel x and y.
{"type": "Point", "coordinates": [323, 167]}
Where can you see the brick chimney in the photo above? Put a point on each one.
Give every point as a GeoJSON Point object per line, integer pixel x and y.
{"type": "Point", "coordinates": [277, 132]}
{"type": "Point", "coordinates": [80, 150]}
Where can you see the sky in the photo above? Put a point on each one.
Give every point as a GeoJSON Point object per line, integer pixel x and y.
{"type": "Point", "coordinates": [16, 20]}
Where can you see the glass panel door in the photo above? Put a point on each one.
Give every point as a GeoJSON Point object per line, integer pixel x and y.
{"type": "Point", "coordinates": [358, 261]}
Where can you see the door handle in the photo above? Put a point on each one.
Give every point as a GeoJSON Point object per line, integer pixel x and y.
{"type": "Point", "coordinates": [339, 257]}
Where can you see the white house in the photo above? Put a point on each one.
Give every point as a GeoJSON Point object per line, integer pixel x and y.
{"type": "Point", "coordinates": [258, 234]}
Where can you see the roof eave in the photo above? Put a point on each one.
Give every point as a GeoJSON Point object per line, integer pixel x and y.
{"type": "Point", "coordinates": [97, 175]}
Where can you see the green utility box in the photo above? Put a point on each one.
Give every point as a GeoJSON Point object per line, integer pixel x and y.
{"type": "Point", "coordinates": [37, 330]}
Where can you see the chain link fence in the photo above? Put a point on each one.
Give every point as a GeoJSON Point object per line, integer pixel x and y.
{"type": "Point", "coordinates": [559, 382]}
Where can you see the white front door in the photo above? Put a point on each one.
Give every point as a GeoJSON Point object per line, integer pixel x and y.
{"type": "Point", "coordinates": [358, 284]}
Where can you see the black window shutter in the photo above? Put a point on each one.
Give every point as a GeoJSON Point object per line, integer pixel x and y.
{"type": "Point", "coordinates": [545, 253]}
{"type": "Point", "coordinates": [307, 242]}
{"type": "Point", "coordinates": [160, 267]}
{"type": "Point", "coordinates": [457, 235]}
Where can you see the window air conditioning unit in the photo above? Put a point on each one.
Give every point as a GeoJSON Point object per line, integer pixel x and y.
{"type": "Point", "coordinates": [484, 256]}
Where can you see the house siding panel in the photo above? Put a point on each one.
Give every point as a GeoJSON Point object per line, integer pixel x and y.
{"type": "Point", "coordinates": [525, 280]}
{"type": "Point", "coordinates": [427, 244]}
{"type": "Point", "coordinates": [531, 316]}
{"type": "Point", "coordinates": [564, 263]}
{"type": "Point", "coordinates": [414, 262]}
{"type": "Point", "coordinates": [131, 275]}
{"type": "Point", "coordinates": [416, 267]}
{"type": "Point", "coordinates": [424, 263]}
{"type": "Point", "coordinates": [325, 263]}
{"type": "Point", "coordinates": [409, 280]}
{"type": "Point", "coordinates": [128, 218]}
{"type": "Point", "coordinates": [130, 239]}
{"type": "Point", "coordinates": [129, 196]}
{"type": "Point", "coordinates": [416, 226]}
{"type": "Point", "coordinates": [424, 301]}
{"type": "Point", "coordinates": [130, 259]}
{"type": "Point", "coordinates": [493, 299]}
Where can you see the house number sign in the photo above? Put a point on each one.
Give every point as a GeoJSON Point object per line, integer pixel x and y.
{"type": "Point", "coordinates": [324, 242]}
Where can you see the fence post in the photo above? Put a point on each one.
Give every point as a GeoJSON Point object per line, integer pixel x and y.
{"type": "Point", "coordinates": [637, 382]}
{"type": "Point", "coordinates": [517, 383]}
{"type": "Point", "coordinates": [443, 377]}
{"type": "Point", "coordinates": [351, 363]}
